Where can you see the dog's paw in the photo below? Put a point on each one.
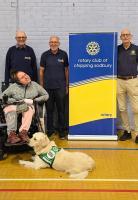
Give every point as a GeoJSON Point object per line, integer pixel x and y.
{"type": "Point", "coordinates": [22, 162]}
{"type": "Point", "coordinates": [25, 163]}
{"type": "Point", "coordinates": [80, 175]}
{"type": "Point", "coordinates": [33, 158]}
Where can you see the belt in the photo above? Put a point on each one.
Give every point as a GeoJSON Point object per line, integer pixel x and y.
{"type": "Point", "coordinates": [126, 77]}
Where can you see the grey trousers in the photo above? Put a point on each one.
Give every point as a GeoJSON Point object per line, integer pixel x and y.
{"type": "Point", "coordinates": [11, 121]}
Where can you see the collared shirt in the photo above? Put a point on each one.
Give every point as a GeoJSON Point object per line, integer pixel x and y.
{"type": "Point", "coordinates": [54, 66]}
{"type": "Point", "coordinates": [22, 59]}
{"type": "Point", "coordinates": [127, 61]}
{"type": "Point", "coordinates": [17, 46]}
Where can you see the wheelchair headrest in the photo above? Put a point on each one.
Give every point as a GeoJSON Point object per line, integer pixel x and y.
{"type": "Point", "coordinates": [4, 86]}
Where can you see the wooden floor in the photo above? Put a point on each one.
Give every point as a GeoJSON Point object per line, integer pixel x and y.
{"type": "Point", "coordinates": [115, 176]}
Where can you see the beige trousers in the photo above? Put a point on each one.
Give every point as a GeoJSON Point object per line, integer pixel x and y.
{"type": "Point", "coordinates": [128, 88]}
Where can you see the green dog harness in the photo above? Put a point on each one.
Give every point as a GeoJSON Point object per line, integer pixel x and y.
{"type": "Point", "coordinates": [49, 157]}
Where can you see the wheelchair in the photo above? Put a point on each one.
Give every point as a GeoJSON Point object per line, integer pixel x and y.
{"type": "Point", "coordinates": [38, 124]}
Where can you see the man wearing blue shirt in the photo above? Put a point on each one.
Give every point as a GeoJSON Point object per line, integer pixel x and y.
{"type": "Point", "coordinates": [54, 78]}
{"type": "Point", "coordinates": [21, 57]}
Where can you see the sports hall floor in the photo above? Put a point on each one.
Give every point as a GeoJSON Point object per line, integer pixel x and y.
{"type": "Point", "coordinates": [115, 176]}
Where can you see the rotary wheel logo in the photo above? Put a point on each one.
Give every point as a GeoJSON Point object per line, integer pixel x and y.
{"type": "Point", "coordinates": [92, 48]}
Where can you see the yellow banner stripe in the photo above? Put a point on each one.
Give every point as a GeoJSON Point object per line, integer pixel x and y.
{"type": "Point", "coordinates": [92, 101]}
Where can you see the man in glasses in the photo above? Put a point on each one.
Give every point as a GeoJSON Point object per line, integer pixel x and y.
{"type": "Point", "coordinates": [21, 57]}
{"type": "Point", "coordinates": [54, 78]}
{"type": "Point", "coordinates": [127, 83]}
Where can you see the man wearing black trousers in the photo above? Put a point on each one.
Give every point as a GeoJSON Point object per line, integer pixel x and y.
{"type": "Point", "coordinates": [54, 78]}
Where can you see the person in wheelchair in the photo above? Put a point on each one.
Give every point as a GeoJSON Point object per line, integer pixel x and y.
{"type": "Point", "coordinates": [20, 98]}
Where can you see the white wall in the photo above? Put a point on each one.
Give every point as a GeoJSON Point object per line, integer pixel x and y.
{"type": "Point", "coordinates": [42, 18]}
{"type": "Point", "coordinates": [7, 30]}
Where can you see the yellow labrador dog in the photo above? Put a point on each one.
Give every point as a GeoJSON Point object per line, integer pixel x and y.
{"type": "Point", "coordinates": [77, 164]}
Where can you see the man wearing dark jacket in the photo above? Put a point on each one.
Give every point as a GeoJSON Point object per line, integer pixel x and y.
{"type": "Point", "coordinates": [21, 57]}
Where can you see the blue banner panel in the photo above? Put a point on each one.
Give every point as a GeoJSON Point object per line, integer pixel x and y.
{"type": "Point", "coordinates": [92, 92]}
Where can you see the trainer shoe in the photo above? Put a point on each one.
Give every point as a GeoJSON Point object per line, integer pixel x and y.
{"type": "Point", "coordinates": [24, 136]}
{"type": "Point", "coordinates": [125, 136]}
{"type": "Point", "coordinates": [13, 138]}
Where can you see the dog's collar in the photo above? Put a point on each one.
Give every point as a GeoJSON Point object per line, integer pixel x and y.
{"type": "Point", "coordinates": [49, 157]}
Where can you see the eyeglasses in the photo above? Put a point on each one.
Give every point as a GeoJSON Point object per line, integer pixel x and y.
{"type": "Point", "coordinates": [127, 35]}
{"type": "Point", "coordinates": [20, 37]}
{"type": "Point", "coordinates": [54, 42]}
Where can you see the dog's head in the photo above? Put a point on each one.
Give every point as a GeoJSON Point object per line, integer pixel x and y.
{"type": "Point", "coordinates": [39, 141]}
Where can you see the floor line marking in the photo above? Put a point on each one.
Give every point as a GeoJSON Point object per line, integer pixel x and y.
{"type": "Point", "coordinates": [71, 190]}
{"type": "Point", "coordinates": [99, 148]}
{"type": "Point", "coordinates": [84, 180]}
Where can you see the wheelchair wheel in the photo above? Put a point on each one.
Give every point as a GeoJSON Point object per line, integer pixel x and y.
{"type": "Point", "coordinates": [3, 155]}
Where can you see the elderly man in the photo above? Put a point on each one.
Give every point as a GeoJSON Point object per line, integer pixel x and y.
{"type": "Point", "coordinates": [127, 82]}
{"type": "Point", "coordinates": [54, 78]}
{"type": "Point", "coordinates": [21, 57]}
{"type": "Point", "coordinates": [21, 97]}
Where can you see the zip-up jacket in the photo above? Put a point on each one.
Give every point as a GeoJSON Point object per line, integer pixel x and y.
{"type": "Point", "coordinates": [17, 92]}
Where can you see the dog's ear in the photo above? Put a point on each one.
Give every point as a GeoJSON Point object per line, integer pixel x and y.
{"type": "Point", "coordinates": [47, 139]}
{"type": "Point", "coordinates": [44, 141]}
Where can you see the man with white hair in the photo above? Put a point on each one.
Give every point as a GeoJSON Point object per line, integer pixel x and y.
{"type": "Point", "coordinates": [127, 82]}
{"type": "Point", "coordinates": [54, 78]}
{"type": "Point", "coordinates": [20, 57]}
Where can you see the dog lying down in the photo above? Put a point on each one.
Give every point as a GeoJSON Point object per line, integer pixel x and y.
{"type": "Point", "coordinates": [77, 164]}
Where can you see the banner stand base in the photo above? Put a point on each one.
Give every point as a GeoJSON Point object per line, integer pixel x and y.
{"type": "Point", "coordinates": [92, 137]}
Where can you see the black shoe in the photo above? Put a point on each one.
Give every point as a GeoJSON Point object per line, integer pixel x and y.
{"type": "Point", "coordinates": [136, 139]}
{"type": "Point", "coordinates": [125, 136]}
{"type": "Point", "coordinates": [50, 133]}
{"type": "Point", "coordinates": [62, 137]}
{"type": "Point", "coordinates": [2, 155]}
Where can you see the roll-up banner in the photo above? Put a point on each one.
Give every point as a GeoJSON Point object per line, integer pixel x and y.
{"type": "Point", "coordinates": [92, 88]}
